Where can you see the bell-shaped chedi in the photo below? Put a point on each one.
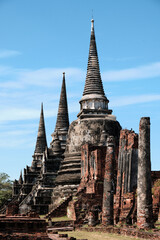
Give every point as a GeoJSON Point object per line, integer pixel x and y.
{"type": "Point", "coordinates": [93, 118]}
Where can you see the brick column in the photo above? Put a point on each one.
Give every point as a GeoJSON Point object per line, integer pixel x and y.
{"type": "Point", "coordinates": [144, 195]}
{"type": "Point", "coordinates": [107, 211]}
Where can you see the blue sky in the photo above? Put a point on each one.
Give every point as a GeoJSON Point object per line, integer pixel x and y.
{"type": "Point", "coordinates": [40, 39]}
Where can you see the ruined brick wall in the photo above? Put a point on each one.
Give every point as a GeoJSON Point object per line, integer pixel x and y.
{"type": "Point", "coordinates": [83, 204]}
{"type": "Point", "coordinates": [12, 209]}
{"type": "Point", "coordinates": [155, 175]}
{"type": "Point", "coordinates": [126, 175]}
{"type": "Point", "coordinates": [92, 167]}
{"type": "Point", "coordinates": [29, 227]}
{"type": "Point", "coordinates": [90, 191]}
{"type": "Point", "coordinates": [156, 199]}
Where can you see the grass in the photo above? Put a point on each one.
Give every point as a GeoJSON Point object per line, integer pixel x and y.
{"type": "Point", "coordinates": [157, 225]}
{"type": "Point", "coordinates": [64, 218]}
{"type": "Point", "coordinates": [97, 235]}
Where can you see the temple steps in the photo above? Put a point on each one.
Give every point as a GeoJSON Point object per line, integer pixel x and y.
{"type": "Point", "coordinates": [70, 170]}
{"type": "Point", "coordinates": [61, 195]}
{"type": "Point", "coordinates": [66, 163]}
{"type": "Point", "coordinates": [70, 165]}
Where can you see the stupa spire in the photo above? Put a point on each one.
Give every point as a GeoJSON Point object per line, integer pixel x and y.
{"type": "Point", "coordinates": [62, 117]}
{"type": "Point", "coordinates": [41, 143]}
{"type": "Point", "coordinates": [93, 102]}
{"type": "Point", "coordinates": [93, 83]}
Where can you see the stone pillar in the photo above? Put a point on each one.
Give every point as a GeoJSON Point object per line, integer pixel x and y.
{"type": "Point", "coordinates": [107, 210]}
{"type": "Point", "coordinates": [144, 195]}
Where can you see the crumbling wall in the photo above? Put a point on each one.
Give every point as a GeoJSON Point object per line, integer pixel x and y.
{"type": "Point", "coordinates": [124, 202]}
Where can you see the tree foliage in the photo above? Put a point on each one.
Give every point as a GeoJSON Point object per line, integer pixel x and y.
{"type": "Point", "coordinates": [5, 188]}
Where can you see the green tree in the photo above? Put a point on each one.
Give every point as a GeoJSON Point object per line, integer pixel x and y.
{"type": "Point", "coordinates": [5, 188]}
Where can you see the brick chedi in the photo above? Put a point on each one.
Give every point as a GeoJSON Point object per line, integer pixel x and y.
{"type": "Point", "coordinates": [39, 179]}
{"type": "Point", "coordinates": [31, 173]}
{"type": "Point", "coordinates": [144, 195]}
{"type": "Point", "coordinates": [93, 118]}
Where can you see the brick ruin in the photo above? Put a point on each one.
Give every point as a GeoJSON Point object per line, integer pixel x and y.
{"type": "Point", "coordinates": [124, 199]}
{"type": "Point", "coordinates": [94, 171]}
{"type": "Point", "coordinates": [18, 227]}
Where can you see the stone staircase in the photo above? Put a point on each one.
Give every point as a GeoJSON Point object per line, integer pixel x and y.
{"type": "Point", "coordinates": [24, 205]}
{"type": "Point", "coordinates": [70, 169]}
{"type": "Point", "coordinates": [56, 210]}
{"type": "Point", "coordinates": [60, 209]}
{"type": "Point", "coordinates": [30, 201]}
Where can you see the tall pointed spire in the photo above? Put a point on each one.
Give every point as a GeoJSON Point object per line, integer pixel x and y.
{"type": "Point", "coordinates": [93, 102]}
{"type": "Point", "coordinates": [93, 84]}
{"type": "Point", "coordinates": [62, 117]}
{"type": "Point", "coordinates": [41, 143]}
{"type": "Point", "coordinates": [62, 123]}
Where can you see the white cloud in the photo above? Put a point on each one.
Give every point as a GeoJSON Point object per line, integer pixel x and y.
{"type": "Point", "coordinates": [49, 76]}
{"type": "Point", "coordinates": [19, 114]}
{"type": "Point", "coordinates": [4, 70]}
{"type": "Point", "coordinates": [24, 103]}
{"type": "Point", "coordinates": [16, 114]}
{"type": "Point", "coordinates": [147, 71]}
{"type": "Point", "coordinates": [128, 100]}
{"type": "Point", "coordinates": [8, 53]}
{"type": "Point", "coordinates": [46, 77]}
{"type": "Point", "coordinates": [22, 141]}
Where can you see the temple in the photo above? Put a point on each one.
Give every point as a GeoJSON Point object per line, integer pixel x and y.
{"type": "Point", "coordinates": [34, 190]}
{"type": "Point", "coordinates": [93, 171]}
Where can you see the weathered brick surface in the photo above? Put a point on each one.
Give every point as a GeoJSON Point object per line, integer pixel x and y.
{"type": "Point", "coordinates": [107, 210]}
{"type": "Point", "coordinates": [144, 195]}
{"type": "Point", "coordinates": [22, 227]}
{"type": "Point", "coordinates": [12, 209]}
{"type": "Point", "coordinates": [156, 200]}
{"type": "Point", "coordinates": [124, 203]}
{"type": "Point", "coordinates": [92, 167]}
